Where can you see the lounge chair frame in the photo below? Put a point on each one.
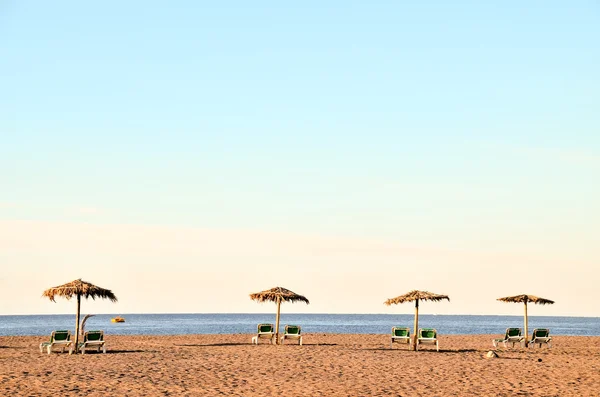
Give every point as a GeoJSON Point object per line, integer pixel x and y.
{"type": "Point", "coordinates": [58, 339]}
{"type": "Point", "coordinates": [400, 335]}
{"type": "Point", "coordinates": [513, 336]}
{"type": "Point", "coordinates": [540, 336]}
{"type": "Point", "coordinates": [93, 340]}
{"type": "Point", "coordinates": [427, 336]}
{"type": "Point", "coordinates": [262, 333]}
{"type": "Point", "coordinates": [292, 332]}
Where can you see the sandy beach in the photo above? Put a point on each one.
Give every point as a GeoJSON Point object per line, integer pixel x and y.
{"type": "Point", "coordinates": [327, 365]}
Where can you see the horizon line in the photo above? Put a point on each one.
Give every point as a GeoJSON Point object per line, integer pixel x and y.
{"type": "Point", "coordinates": [283, 314]}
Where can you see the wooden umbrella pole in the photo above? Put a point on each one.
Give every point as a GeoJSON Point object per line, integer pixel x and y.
{"type": "Point", "coordinates": [416, 324]}
{"type": "Point", "coordinates": [526, 330]}
{"type": "Point", "coordinates": [277, 321]}
{"type": "Point", "coordinates": [77, 323]}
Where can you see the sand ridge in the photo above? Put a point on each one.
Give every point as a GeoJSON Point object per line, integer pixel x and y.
{"type": "Point", "coordinates": [327, 365]}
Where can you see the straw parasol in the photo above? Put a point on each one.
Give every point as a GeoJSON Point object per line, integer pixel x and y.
{"type": "Point", "coordinates": [416, 296]}
{"type": "Point", "coordinates": [78, 288]}
{"type": "Point", "coordinates": [278, 295]}
{"type": "Point", "coordinates": [525, 299]}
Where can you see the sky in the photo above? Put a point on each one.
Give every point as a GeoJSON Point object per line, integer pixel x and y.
{"type": "Point", "coordinates": [185, 155]}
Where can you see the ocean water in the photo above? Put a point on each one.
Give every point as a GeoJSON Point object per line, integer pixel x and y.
{"type": "Point", "coordinates": [178, 324]}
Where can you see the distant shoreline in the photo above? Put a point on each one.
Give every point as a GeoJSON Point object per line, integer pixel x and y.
{"type": "Point", "coordinates": [233, 324]}
{"type": "Point", "coordinates": [300, 314]}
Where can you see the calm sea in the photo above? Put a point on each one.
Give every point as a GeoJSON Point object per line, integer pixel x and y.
{"type": "Point", "coordinates": [177, 324]}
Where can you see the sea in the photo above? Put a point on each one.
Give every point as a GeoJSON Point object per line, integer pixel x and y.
{"type": "Point", "coordinates": [183, 324]}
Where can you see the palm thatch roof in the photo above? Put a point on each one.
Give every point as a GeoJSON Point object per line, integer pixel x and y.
{"type": "Point", "coordinates": [278, 294]}
{"type": "Point", "coordinates": [525, 299]}
{"type": "Point", "coordinates": [414, 295]}
{"type": "Point", "coordinates": [81, 288]}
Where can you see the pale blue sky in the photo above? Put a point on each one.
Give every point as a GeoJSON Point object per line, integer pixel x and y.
{"type": "Point", "coordinates": [468, 128]}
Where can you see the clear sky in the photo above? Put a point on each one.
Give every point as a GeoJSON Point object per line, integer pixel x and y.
{"type": "Point", "coordinates": [187, 154]}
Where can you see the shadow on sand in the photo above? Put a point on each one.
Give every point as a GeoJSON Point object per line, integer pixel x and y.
{"type": "Point", "coordinates": [211, 344]}
{"type": "Point", "coordinates": [420, 351]}
{"type": "Point", "coordinates": [123, 351]}
{"type": "Point", "coordinates": [248, 344]}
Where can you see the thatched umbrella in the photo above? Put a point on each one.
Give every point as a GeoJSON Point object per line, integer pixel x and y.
{"type": "Point", "coordinates": [416, 296]}
{"type": "Point", "coordinates": [278, 295]}
{"type": "Point", "coordinates": [78, 288]}
{"type": "Point", "coordinates": [524, 299]}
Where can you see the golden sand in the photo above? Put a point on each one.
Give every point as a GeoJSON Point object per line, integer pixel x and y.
{"type": "Point", "coordinates": [327, 365]}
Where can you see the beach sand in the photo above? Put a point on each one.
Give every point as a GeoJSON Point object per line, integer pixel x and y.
{"type": "Point", "coordinates": [327, 365]}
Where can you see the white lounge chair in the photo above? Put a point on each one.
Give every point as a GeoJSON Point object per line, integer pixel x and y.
{"type": "Point", "coordinates": [512, 335]}
{"type": "Point", "coordinates": [58, 339]}
{"type": "Point", "coordinates": [292, 332]}
{"type": "Point", "coordinates": [93, 340]}
{"type": "Point", "coordinates": [541, 336]}
{"type": "Point", "coordinates": [427, 336]}
{"type": "Point", "coordinates": [264, 331]}
{"type": "Point", "coordinates": [400, 335]}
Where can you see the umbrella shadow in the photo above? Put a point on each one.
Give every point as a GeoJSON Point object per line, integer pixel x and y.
{"type": "Point", "coordinates": [212, 344]}
{"type": "Point", "coordinates": [124, 351]}
{"type": "Point", "coordinates": [452, 351]}
{"type": "Point", "coordinates": [245, 344]}
{"type": "Point", "coordinates": [387, 349]}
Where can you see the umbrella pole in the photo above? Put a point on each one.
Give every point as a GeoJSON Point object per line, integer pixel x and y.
{"type": "Point", "coordinates": [277, 321]}
{"type": "Point", "coordinates": [77, 323]}
{"type": "Point", "coordinates": [526, 330]}
{"type": "Point", "coordinates": [416, 324]}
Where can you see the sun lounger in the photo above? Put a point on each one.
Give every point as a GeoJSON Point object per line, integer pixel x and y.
{"type": "Point", "coordinates": [58, 339]}
{"type": "Point", "coordinates": [292, 332]}
{"type": "Point", "coordinates": [512, 335]}
{"type": "Point", "coordinates": [264, 331]}
{"type": "Point", "coordinates": [93, 340]}
{"type": "Point", "coordinates": [427, 336]}
{"type": "Point", "coordinates": [400, 335]}
{"type": "Point", "coordinates": [541, 336]}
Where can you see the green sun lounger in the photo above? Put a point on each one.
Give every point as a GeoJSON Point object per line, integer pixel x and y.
{"type": "Point", "coordinates": [400, 335]}
{"type": "Point", "coordinates": [58, 339]}
{"type": "Point", "coordinates": [93, 340]}
{"type": "Point", "coordinates": [292, 332]}
{"type": "Point", "coordinates": [512, 335]}
{"type": "Point", "coordinates": [427, 336]}
{"type": "Point", "coordinates": [264, 331]}
{"type": "Point", "coordinates": [541, 336]}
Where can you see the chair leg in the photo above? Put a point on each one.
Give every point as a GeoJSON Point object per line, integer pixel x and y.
{"type": "Point", "coordinates": [437, 346]}
{"type": "Point", "coordinates": [300, 341]}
